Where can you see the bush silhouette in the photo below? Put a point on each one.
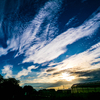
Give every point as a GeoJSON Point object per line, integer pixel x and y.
{"type": "Point", "coordinates": [28, 90]}
{"type": "Point", "coordinates": [9, 88]}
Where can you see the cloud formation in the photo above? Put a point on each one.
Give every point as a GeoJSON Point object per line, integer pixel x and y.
{"type": "Point", "coordinates": [48, 51]}
{"type": "Point", "coordinates": [32, 34]}
{"type": "Point", "coordinates": [25, 72]}
{"type": "Point", "coordinates": [23, 39]}
{"type": "Point", "coordinates": [58, 46]}
{"type": "Point", "coordinates": [7, 70]}
{"type": "Point", "coordinates": [70, 69]}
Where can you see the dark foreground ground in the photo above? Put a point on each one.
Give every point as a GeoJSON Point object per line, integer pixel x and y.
{"type": "Point", "coordinates": [53, 96]}
{"type": "Point", "coordinates": [80, 96]}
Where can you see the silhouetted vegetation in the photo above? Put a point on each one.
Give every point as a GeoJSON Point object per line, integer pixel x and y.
{"type": "Point", "coordinates": [10, 89]}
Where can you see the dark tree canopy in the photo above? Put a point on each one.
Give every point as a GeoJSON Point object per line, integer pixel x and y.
{"type": "Point", "coordinates": [10, 88]}
{"type": "Point", "coordinates": [28, 90]}
{"type": "Point", "coordinates": [9, 80]}
{"type": "Point", "coordinates": [1, 78]}
{"type": "Point", "coordinates": [12, 81]}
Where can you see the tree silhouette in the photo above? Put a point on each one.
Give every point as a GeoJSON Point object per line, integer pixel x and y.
{"type": "Point", "coordinates": [1, 79]}
{"type": "Point", "coordinates": [29, 90]}
{"type": "Point", "coordinates": [1, 84]}
{"type": "Point", "coordinates": [9, 88]}
{"type": "Point", "coordinates": [12, 81]}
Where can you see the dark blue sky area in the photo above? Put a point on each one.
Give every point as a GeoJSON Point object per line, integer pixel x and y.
{"type": "Point", "coordinates": [78, 9]}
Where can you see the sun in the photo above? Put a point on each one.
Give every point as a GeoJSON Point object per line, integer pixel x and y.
{"type": "Point", "coordinates": [67, 77]}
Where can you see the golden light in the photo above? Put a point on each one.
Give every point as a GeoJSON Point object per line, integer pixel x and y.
{"type": "Point", "coordinates": [67, 77]}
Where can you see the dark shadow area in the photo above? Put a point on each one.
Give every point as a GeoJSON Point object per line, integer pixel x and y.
{"type": "Point", "coordinates": [10, 89]}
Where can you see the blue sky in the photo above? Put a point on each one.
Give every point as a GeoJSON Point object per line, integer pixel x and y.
{"type": "Point", "coordinates": [50, 43]}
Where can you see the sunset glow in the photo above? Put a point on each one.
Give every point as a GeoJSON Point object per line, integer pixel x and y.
{"type": "Point", "coordinates": [67, 77]}
{"type": "Point", "coordinates": [50, 43]}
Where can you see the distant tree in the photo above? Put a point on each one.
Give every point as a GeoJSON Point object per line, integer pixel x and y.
{"type": "Point", "coordinates": [10, 88]}
{"type": "Point", "coordinates": [12, 81]}
{"type": "Point", "coordinates": [1, 79]}
{"type": "Point", "coordinates": [29, 90]}
{"type": "Point", "coordinates": [1, 84]}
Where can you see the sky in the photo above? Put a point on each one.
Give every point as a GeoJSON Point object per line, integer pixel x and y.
{"type": "Point", "coordinates": [50, 44]}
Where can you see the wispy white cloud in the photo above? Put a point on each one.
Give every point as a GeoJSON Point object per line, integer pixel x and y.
{"type": "Point", "coordinates": [25, 72]}
{"type": "Point", "coordinates": [22, 42]}
{"type": "Point", "coordinates": [64, 70]}
{"type": "Point", "coordinates": [12, 45]}
{"type": "Point", "coordinates": [3, 51]}
{"type": "Point", "coordinates": [7, 70]}
{"type": "Point", "coordinates": [77, 62]}
{"type": "Point", "coordinates": [95, 46]}
{"type": "Point", "coordinates": [58, 46]}
{"type": "Point", "coordinates": [39, 49]}
{"type": "Point", "coordinates": [73, 19]}
{"type": "Point", "coordinates": [29, 36]}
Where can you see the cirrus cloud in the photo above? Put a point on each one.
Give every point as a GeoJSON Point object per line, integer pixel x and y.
{"type": "Point", "coordinates": [58, 46]}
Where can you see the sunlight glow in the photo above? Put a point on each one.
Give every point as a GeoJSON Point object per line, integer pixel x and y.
{"type": "Point", "coordinates": [67, 77]}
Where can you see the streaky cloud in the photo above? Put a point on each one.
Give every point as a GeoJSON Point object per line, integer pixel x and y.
{"type": "Point", "coordinates": [22, 38]}
{"type": "Point", "coordinates": [58, 46]}
{"type": "Point", "coordinates": [73, 65]}
{"type": "Point", "coordinates": [48, 85]}
{"type": "Point", "coordinates": [30, 35]}
{"type": "Point", "coordinates": [48, 43]}
{"type": "Point", "coordinates": [12, 46]}
{"type": "Point", "coordinates": [73, 19]}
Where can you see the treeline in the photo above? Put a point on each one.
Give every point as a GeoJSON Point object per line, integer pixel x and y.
{"type": "Point", "coordinates": [10, 89]}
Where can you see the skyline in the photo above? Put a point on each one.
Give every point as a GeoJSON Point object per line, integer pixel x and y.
{"type": "Point", "coordinates": [50, 43]}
